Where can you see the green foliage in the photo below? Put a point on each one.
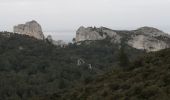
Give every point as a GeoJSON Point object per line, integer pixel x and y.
{"type": "Point", "coordinates": [146, 79]}
{"type": "Point", "coordinates": [31, 69]}
{"type": "Point", "coordinates": [123, 58]}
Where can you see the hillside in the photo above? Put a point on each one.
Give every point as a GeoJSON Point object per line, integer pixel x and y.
{"type": "Point", "coordinates": [148, 78]}
{"type": "Point", "coordinates": [30, 68]}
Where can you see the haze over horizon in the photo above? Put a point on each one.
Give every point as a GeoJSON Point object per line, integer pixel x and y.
{"type": "Point", "coordinates": [69, 15]}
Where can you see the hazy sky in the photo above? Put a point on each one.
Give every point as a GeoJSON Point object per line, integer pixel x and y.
{"type": "Point", "coordinates": [70, 14]}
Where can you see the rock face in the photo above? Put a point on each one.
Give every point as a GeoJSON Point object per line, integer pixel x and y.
{"type": "Point", "coordinates": [90, 33]}
{"type": "Point", "coordinates": [150, 39]}
{"type": "Point", "coordinates": [145, 38]}
{"type": "Point", "coordinates": [31, 28]}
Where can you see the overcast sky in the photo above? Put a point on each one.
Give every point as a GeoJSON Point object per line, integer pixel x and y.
{"type": "Point", "coordinates": [70, 14]}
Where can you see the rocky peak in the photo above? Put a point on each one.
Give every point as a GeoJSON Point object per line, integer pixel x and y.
{"type": "Point", "coordinates": [147, 29]}
{"type": "Point", "coordinates": [93, 33]}
{"type": "Point", "coordinates": [150, 31]}
{"type": "Point", "coordinates": [31, 28]}
{"type": "Point", "coordinates": [33, 21]}
{"type": "Point", "coordinates": [148, 38]}
{"type": "Point", "coordinates": [145, 38]}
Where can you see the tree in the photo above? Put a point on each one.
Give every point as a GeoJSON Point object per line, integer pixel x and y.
{"type": "Point", "coordinates": [62, 84]}
{"type": "Point", "coordinates": [123, 58]}
{"type": "Point", "coordinates": [74, 40]}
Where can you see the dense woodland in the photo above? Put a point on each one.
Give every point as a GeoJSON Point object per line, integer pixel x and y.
{"type": "Point", "coordinates": [32, 69]}
{"type": "Point", "coordinates": [147, 78]}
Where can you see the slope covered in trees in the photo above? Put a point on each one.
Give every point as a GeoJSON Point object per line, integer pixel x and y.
{"type": "Point", "coordinates": [31, 68]}
{"type": "Point", "coordinates": [147, 78]}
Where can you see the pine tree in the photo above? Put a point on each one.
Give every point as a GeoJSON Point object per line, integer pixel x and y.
{"type": "Point", "coordinates": [123, 58]}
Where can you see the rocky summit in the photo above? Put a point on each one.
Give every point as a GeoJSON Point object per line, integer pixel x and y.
{"type": "Point", "coordinates": [31, 28]}
{"type": "Point", "coordinates": [144, 38]}
{"type": "Point", "coordinates": [90, 33]}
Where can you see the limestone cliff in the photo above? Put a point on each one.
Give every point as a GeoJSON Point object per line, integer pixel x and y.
{"type": "Point", "coordinates": [31, 28]}
{"type": "Point", "coordinates": [145, 38]}
{"type": "Point", "coordinates": [150, 39]}
{"type": "Point", "coordinates": [90, 33]}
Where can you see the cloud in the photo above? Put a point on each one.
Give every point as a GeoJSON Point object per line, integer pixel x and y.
{"type": "Point", "coordinates": [70, 14]}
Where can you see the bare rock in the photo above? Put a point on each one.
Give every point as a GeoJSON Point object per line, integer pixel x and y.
{"type": "Point", "coordinates": [149, 39]}
{"type": "Point", "coordinates": [144, 38]}
{"type": "Point", "coordinates": [90, 33]}
{"type": "Point", "coordinates": [31, 28]}
{"type": "Point", "coordinates": [147, 43]}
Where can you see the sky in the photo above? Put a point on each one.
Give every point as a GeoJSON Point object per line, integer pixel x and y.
{"type": "Point", "coordinates": [69, 15]}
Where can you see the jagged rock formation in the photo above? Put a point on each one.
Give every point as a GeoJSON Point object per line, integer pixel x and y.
{"type": "Point", "coordinates": [145, 38]}
{"type": "Point", "coordinates": [81, 62]}
{"type": "Point", "coordinates": [31, 28]}
{"type": "Point", "coordinates": [90, 33]}
{"type": "Point", "coordinates": [150, 39]}
{"type": "Point", "coordinates": [60, 43]}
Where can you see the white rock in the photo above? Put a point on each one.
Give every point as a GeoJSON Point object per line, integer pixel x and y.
{"type": "Point", "coordinates": [31, 28]}
{"type": "Point", "coordinates": [147, 43]}
{"type": "Point", "coordinates": [80, 61]}
{"type": "Point", "coordinates": [83, 34]}
{"type": "Point", "coordinates": [90, 33]}
{"type": "Point", "coordinates": [145, 38]}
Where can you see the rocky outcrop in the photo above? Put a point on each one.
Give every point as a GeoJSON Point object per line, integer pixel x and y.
{"type": "Point", "coordinates": [145, 38]}
{"type": "Point", "coordinates": [90, 33]}
{"type": "Point", "coordinates": [80, 61]}
{"type": "Point", "coordinates": [31, 28]}
{"type": "Point", "coordinates": [147, 43]}
{"type": "Point", "coordinates": [150, 39]}
{"type": "Point", "coordinates": [83, 34]}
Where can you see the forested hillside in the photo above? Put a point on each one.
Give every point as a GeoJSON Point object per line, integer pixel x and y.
{"type": "Point", "coordinates": [31, 68]}
{"type": "Point", "coordinates": [147, 78]}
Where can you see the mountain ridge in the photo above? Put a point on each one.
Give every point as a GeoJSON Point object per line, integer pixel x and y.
{"type": "Point", "coordinates": [145, 38]}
